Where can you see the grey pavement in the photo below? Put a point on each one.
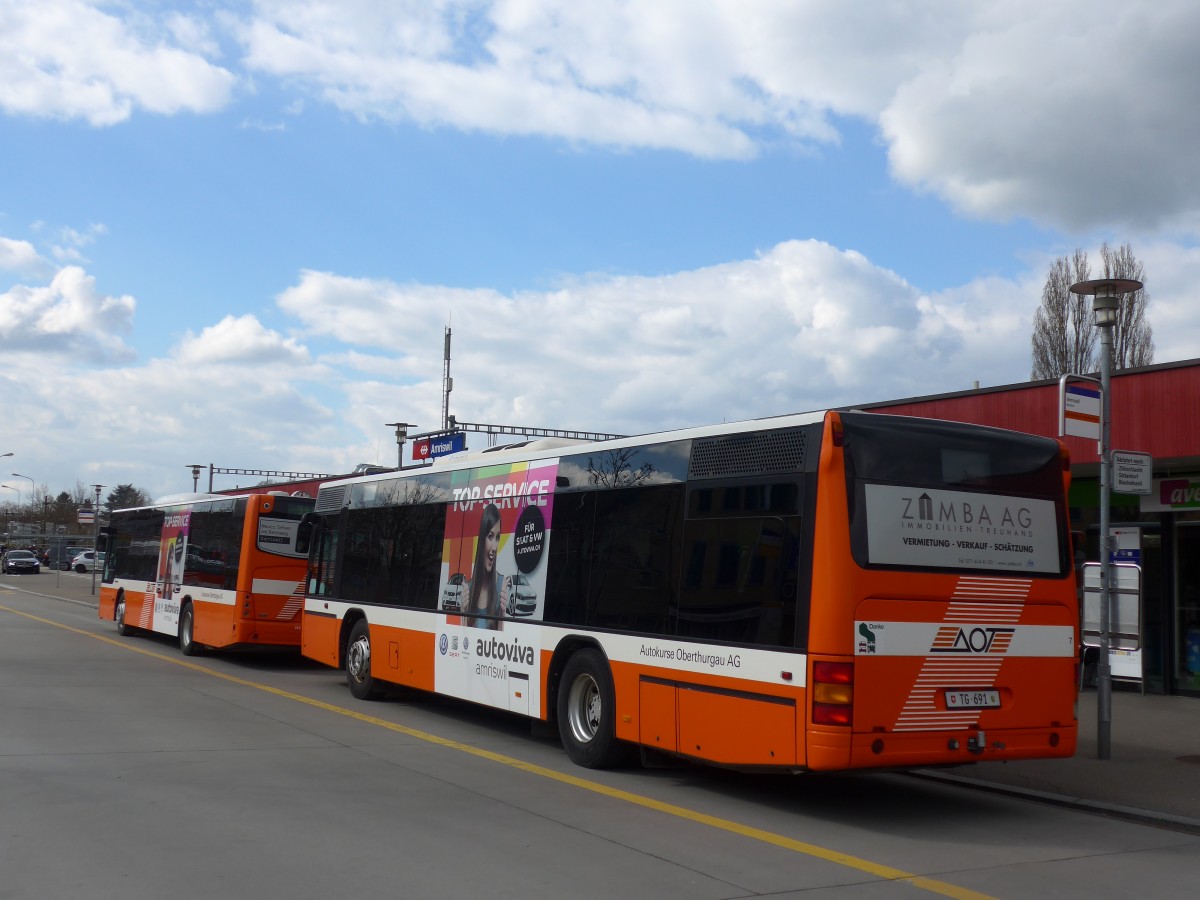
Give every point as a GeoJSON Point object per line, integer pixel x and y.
{"type": "Point", "coordinates": [1152, 773]}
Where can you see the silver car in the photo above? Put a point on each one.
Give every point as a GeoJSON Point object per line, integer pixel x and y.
{"type": "Point", "coordinates": [522, 598]}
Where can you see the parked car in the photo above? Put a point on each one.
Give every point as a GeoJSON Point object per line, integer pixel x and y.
{"type": "Point", "coordinates": [87, 561]}
{"type": "Point", "coordinates": [61, 558]}
{"type": "Point", "coordinates": [17, 562]}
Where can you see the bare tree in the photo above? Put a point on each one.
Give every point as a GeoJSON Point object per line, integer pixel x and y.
{"type": "Point", "coordinates": [1064, 339]}
{"type": "Point", "coordinates": [1133, 338]}
{"type": "Point", "coordinates": [1064, 333]}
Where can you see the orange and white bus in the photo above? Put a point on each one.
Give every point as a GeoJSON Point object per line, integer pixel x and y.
{"type": "Point", "coordinates": [215, 571]}
{"type": "Point", "coordinates": [826, 591]}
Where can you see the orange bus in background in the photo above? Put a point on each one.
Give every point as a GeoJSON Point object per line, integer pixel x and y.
{"type": "Point", "coordinates": [826, 591]}
{"type": "Point", "coordinates": [214, 571]}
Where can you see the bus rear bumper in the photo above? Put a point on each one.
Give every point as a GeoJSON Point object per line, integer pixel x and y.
{"type": "Point", "coordinates": [283, 634]}
{"type": "Point", "coordinates": [829, 751]}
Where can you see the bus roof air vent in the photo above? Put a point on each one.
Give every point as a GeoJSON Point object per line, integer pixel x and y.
{"type": "Point", "coordinates": [753, 453]}
{"type": "Point", "coordinates": [330, 498]}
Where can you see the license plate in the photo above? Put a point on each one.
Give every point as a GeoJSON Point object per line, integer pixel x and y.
{"type": "Point", "coordinates": [986, 699]}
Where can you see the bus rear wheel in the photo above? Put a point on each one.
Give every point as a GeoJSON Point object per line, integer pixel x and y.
{"type": "Point", "coordinates": [358, 663]}
{"type": "Point", "coordinates": [587, 713]}
{"type": "Point", "coordinates": [187, 630]}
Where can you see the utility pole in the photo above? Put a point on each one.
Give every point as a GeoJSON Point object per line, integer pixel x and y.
{"type": "Point", "coordinates": [96, 536]}
{"type": "Point", "coordinates": [447, 383]}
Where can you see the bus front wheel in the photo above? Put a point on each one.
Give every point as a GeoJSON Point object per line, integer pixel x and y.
{"type": "Point", "coordinates": [587, 713]}
{"type": "Point", "coordinates": [187, 631]}
{"type": "Point", "coordinates": [358, 663]}
{"type": "Point", "coordinates": [119, 615]}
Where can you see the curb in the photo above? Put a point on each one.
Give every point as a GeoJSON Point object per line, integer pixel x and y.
{"type": "Point", "coordinates": [1128, 813]}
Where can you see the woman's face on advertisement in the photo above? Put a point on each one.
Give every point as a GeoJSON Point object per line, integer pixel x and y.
{"type": "Point", "coordinates": [491, 547]}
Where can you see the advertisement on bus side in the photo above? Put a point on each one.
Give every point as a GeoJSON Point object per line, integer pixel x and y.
{"type": "Point", "coordinates": [171, 560]}
{"type": "Point", "coordinates": [494, 561]}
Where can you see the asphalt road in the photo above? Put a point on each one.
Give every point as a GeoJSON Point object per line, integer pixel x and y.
{"type": "Point", "coordinates": [128, 771]}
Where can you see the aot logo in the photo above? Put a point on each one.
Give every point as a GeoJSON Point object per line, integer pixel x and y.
{"type": "Point", "coordinates": [951, 639]}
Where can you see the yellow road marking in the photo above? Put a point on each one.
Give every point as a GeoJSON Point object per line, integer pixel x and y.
{"type": "Point", "coordinates": [767, 837]}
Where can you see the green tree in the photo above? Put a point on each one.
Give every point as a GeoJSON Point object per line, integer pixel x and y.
{"type": "Point", "coordinates": [124, 496]}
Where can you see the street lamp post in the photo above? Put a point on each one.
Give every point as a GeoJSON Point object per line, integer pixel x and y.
{"type": "Point", "coordinates": [196, 467]}
{"type": "Point", "coordinates": [401, 436]}
{"type": "Point", "coordinates": [96, 535]}
{"type": "Point", "coordinates": [32, 485]}
{"type": "Point", "coordinates": [1105, 294]}
{"type": "Point", "coordinates": [32, 508]}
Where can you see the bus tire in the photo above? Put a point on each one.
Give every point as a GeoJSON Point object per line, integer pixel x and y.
{"type": "Point", "coordinates": [187, 631]}
{"type": "Point", "coordinates": [358, 663]}
{"type": "Point", "coordinates": [119, 617]}
{"type": "Point", "coordinates": [587, 713]}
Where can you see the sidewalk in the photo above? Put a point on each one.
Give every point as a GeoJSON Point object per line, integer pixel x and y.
{"type": "Point", "coordinates": [1152, 774]}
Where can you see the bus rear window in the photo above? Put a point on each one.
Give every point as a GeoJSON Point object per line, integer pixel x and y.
{"type": "Point", "coordinates": [942, 495]}
{"type": "Point", "coordinates": [901, 450]}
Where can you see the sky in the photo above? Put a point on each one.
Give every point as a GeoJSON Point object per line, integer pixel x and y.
{"type": "Point", "coordinates": [234, 232]}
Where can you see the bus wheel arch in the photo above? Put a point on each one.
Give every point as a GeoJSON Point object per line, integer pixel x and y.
{"type": "Point", "coordinates": [362, 684]}
{"type": "Point", "coordinates": [187, 630]}
{"type": "Point", "coordinates": [585, 703]}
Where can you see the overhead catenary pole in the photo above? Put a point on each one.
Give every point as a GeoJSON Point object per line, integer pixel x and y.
{"type": "Point", "coordinates": [1105, 302]}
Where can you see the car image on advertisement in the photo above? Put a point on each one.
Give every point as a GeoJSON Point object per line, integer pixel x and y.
{"type": "Point", "coordinates": [17, 562]}
{"type": "Point", "coordinates": [452, 594]}
{"type": "Point", "coordinates": [522, 599]}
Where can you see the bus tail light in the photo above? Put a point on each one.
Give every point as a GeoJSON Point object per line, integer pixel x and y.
{"type": "Point", "coordinates": [832, 693]}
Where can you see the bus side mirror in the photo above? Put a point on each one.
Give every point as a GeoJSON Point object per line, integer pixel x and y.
{"type": "Point", "coordinates": [309, 523]}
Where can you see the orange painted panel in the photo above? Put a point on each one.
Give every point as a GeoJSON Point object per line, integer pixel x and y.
{"type": "Point", "coordinates": [736, 730]}
{"type": "Point", "coordinates": [658, 724]}
{"type": "Point", "coordinates": [319, 639]}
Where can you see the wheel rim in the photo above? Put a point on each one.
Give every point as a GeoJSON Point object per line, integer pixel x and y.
{"type": "Point", "coordinates": [121, 614]}
{"type": "Point", "coordinates": [584, 708]}
{"type": "Point", "coordinates": [185, 631]}
{"type": "Point", "coordinates": [358, 660]}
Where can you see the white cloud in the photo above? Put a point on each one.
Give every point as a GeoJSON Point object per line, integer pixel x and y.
{"type": "Point", "coordinates": [67, 59]}
{"type": "Point", "coordinates": [1076, 114]}
{"type": "Point", "coordinates": [1072, 113]}
{"type": "Point", "coordinates": [65, 318]}
{"type": "Point", "coordinates": [19, 256]}
{"type": "Point", "coordinates": [804, 325]}
{"type": "Point", "coordinates": [240, 339]}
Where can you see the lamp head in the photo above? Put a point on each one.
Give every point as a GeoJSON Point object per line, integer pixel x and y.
{"type": "Point", "coordinates": [1105, 293]}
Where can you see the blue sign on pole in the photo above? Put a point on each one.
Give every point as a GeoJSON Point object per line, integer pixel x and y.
{"type": "Point", "coordinates": [444, 446]}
